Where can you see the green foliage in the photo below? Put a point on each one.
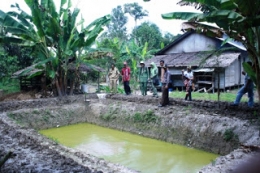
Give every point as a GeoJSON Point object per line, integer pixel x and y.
{"type": "Point", "coordinates": [117, 49]}
{"type": "Point", "coordinates": [146, 117]}
{"type": "Point", "coordinates": [9, 85]}
{"type": "Point", "coordinates": [136, 11]}
{"type": "Point", "coordinates": [229, 135]}
{"type": "Point", "coordinates": [168, 38]}
{"type": "Point", "coordinates": [136, 53]}
{"type": "Point", "coordinates": [104, 88]}
{"type": "Point", "coordinates": [117, 25]}
{"type": "Point", "coordinates": [8, 65]}
{"type": "Point", "coordinates": [108, 116]}
{"type": "Point", "coordinates": [249, 70]}
{"type": "Point", "coordinates": [120, 90]}
{"type": "Point", "coordinates": [55, 46]}
{"type": "Point", "coordinates": [35, 111]}
{"type": "Point", "coordinates": [148, 33]}
{"type": "Point", "coordinates": [238, 19]}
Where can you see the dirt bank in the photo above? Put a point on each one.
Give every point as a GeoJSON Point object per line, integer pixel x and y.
{"type": "Point", "coordinates": [32, 152]}
{"type": "Point", "coordinates": [195, 124]}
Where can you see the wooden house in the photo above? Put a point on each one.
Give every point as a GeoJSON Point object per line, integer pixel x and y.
{"type": "Point", "coordinates": [214, 65]}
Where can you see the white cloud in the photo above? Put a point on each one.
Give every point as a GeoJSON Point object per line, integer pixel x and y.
{"type": "Point", "coordinates": [93, 9]}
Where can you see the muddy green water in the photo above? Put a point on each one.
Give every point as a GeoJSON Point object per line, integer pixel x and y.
{"type": "Point", "coordinates": [133, 151]}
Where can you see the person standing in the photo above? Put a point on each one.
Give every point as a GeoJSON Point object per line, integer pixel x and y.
{"type": "Point", "coordinates": [162, 70]}
{"type": "Point", "coordinates": [187, 76]}
{"type": "Point", "coordinates": [143, 78]}
{"type": "Point", "coordinates": [113, 76]}
{"type": "Point", "coordinates": [165, 86]}
{"type": "Point", "coordinates": [126, 72]}
{"type": "Point", "coordinates": [248, 88]}
{"type": "Point", "coordinates": [154, 78]}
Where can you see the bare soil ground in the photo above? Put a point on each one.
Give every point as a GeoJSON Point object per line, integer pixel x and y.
{"type": "Point", "coordinates": [31, 152]}
{"type": "Point", "coordinates": [28, 151]}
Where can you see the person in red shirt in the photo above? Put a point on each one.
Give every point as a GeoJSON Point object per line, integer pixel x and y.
{"type": "Point", "coordinates": [125, 72]}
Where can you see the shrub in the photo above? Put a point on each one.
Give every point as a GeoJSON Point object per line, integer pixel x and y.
{"type": "Point", "coordinates": [146, 117]}
{"type": "Point", "coordinates": [229, 135]}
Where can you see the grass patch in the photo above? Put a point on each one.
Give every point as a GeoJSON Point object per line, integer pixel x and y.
{"type": "Point", "coordinates": [224, 96]}
{"type": "Point", "coordinates": [11, 87]}
{"type": "Point", "coordinates": [145, 117]}
{"type": "Point", "coordinates": [110, 115]}
{"type": "Point", "coordinates": [229, 135]}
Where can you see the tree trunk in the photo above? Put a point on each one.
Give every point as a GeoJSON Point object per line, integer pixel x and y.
{"type": "Point", "coordinates": [258, 82]}
{"type": "Point", "coordinates": [65, 81]}
{"type": "Point", "coordinates": [218, 86]}
{"type": "Point", "coordinates": [72, 83]}
{"type": "Point", "coordinates": [60, 84]}
{"type": "Point", "coordinates": [58, 87]}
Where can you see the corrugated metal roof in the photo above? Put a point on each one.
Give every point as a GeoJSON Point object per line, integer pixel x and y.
{"type": "Point", "coordinates": [222, 60]}
{"type": "Point", "coordinates": [204, 59]}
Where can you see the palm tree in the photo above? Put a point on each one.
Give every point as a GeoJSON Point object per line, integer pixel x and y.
{"type": "Point", "coordinates": [53, 35]}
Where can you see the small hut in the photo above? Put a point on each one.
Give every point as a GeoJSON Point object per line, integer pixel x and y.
{"type": "Point", "coordinates": [27, 83]}
{"type": "Point", "coordinates": [38, 81]}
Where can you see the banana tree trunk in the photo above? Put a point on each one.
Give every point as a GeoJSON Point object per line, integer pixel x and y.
{"type": "Point", "coordinates": [258, 82]}
{"type": "Point", "coordinates": [72, 83]}
{"type": "Point", "coordinates": [58, 87]}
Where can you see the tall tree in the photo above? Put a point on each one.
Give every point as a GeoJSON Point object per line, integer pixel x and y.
{"type": "Point", "coordinates": [53, 35]}
{"type": "Point", "coordinates": [150, 33]}
{"type": "Point", "coordinates": [237, 18]}
{"type": "Point", "coordinates": [168, 38]}
{"type": "Point", "coordinates": [117, 26]}
{"type": "Point", "coordinates": [136, 11]}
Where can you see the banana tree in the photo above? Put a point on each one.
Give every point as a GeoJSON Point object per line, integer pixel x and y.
{"type": "Point", "coordinates": [136, 54]}
{"type": "Point", "coordinates": [53, 35]}
{"type": "Point", "coordinates": [236, 18]}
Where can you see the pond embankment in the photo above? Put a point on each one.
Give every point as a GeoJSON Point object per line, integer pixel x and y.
{"type": "Point", "coordinates": [211, 126]}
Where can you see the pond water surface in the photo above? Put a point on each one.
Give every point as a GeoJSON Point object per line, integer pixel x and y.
{"type": "Point", "coordinates": [133, 151]}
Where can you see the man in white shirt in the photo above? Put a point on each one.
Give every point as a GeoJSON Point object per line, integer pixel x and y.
{"type": "Point", "coordinates": [187, 76]}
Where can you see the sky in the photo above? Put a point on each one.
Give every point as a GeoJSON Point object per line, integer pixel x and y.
{"type": "Point", "coordinates": [93, 9]}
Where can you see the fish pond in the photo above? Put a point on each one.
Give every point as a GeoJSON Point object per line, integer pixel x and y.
{"type": "Point", "coordinates": [133, 151]}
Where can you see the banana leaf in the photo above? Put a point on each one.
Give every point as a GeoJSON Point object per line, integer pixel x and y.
{"type": "Point", "coordinates": [249, 70]}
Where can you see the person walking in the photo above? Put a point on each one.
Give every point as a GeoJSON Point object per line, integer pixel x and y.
{"type": "Point", "coordinates": [143, 77]}
{"type": "Point", "coordinates": [126, 72]}
{"type": "Point", "coordinates": [165, 84]}
{"type": "Point", "coordinates": [154, 78]}
{"type": "Point", "coordinates": [187, 76]}
{"type": "Point", "coordinates": [113, 76]}
{"type": "Point", "coordinates": [248, 88]}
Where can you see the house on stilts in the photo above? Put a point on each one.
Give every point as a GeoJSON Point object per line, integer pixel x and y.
{"type": "Point", "coordinates": [215, 65]}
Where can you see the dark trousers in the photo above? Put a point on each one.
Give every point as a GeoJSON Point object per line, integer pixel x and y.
{"type": "Point", "coordinates": [188, 93]}
{"type": "Point", "coordinates": [127, 87]}
{"type": "Point", "coordinates": [165, 95]}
